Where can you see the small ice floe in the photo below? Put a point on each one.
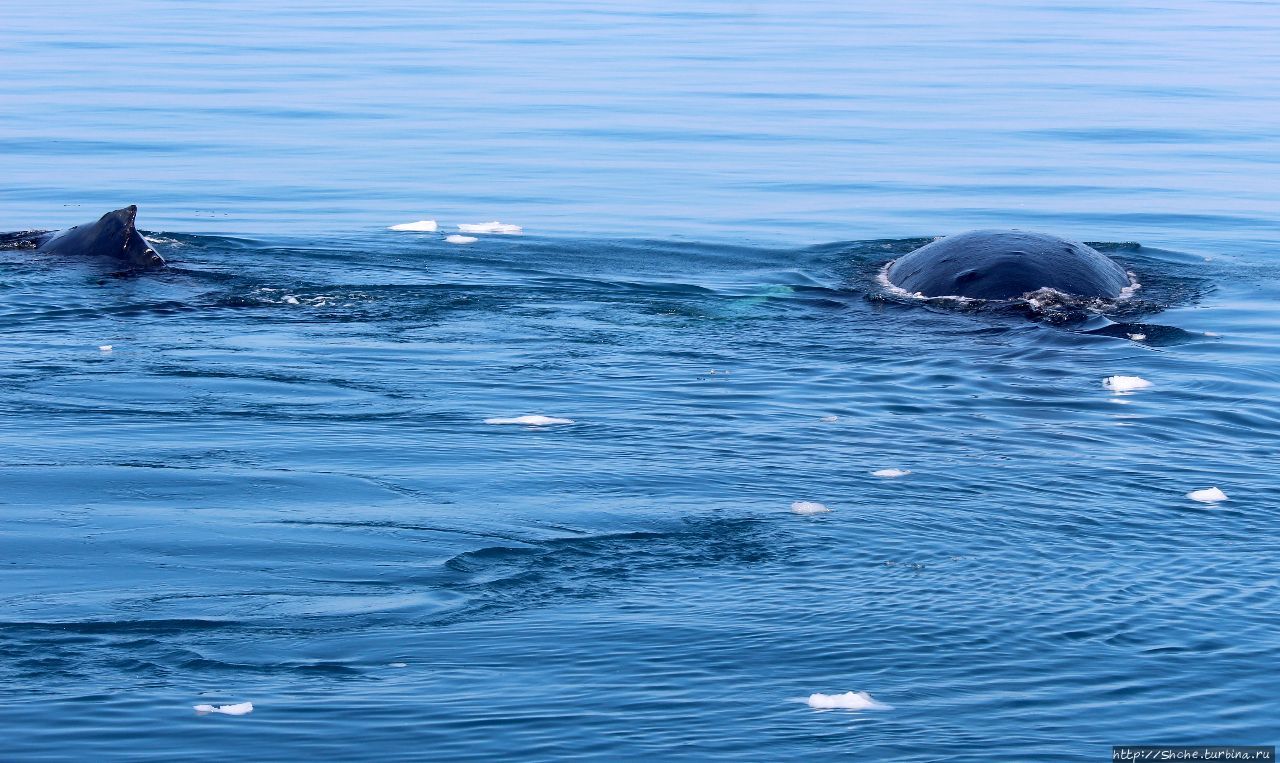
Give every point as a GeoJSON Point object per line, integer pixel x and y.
{"type": "Point", "coordinates": [398, 664]}
{"type": "Point", "coordinates": [242, 708]}
{"type": "Point", "coordinates": [1125, 383]}
{"type": "Point", "coordinates": [490, 227]}
{"type": "Point", "coordinates": [421, 226]}
{"type": "Point", "coordinates": [829, 419]}
{"type": "Point", "coordinates": [289, 299]}
{"type": "Point", "coordinates": [850, 700]}
{"type": "Point", "coordinates": [890, 473]}
{"type": "Point", "coordinates": [807, 508]}
{"type": "Point", "coordinates": [1208, 495]}
{"type": "Point", "coordinates": [530, 421]}
{"type": "Point", "coordinates": [1137, 337]}
{"type": "Point", "coordinates": [104, 348]}
{"type": "Point", "coordinates": [456, 239]}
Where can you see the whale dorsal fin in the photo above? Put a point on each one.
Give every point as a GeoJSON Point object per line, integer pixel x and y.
{"type": "Point", "coordinates": [114, 235]}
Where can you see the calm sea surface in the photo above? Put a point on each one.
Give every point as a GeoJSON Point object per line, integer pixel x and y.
{"type": "Point", "coordinates": [278, 485]}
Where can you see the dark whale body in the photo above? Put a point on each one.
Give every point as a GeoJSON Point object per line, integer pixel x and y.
{"type": "Point", "coordinates": [115, 235]}
{"type": "Point", "coordinates": [1005, 264]}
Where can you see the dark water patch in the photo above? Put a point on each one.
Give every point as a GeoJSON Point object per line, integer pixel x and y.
{"type": "Point", "coordinates": [502, 578]}
{"type": "Point", "coordinates": [1150, 334]}
{"type": "Point", "coordinates": [112, 627]}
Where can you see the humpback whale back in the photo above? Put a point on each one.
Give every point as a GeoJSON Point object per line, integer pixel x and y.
{"type": "Point", "coordinates": [115, 235]}
{"type": "Point", "coordinates": [999, 264]}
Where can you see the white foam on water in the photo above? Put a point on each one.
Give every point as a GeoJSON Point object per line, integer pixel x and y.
{"type": "Point", "coordinates": [807, 508]}
{"type": "Point", "coordinates": [242, 708]}
{"type": "Point", "coordinates": [1137, 337]}
{"type": "Point", "coordinates": [829, 419]}
{"type": "Point", "coordinates": [398, 664]}
{"type": "Point", "coordinates": [490, 227]}
{"type": "Point", "coordinates": [289, 299]}
{"type": "Point", "coordinates": [1208, 495]}
{"type": "Point", "coordinates": [105, 348]}
{"type": "Point", "coordinates": [421, 226]}
{"type": "Point", "coordinates": [882, 278]}
{"type": "Point", "coordinates": [1128, 291]}
{"type": "Point", "coordinates": [890, 473]}
{"type": "Point", "coordinates": [850, 700]}
{"type": "Point", "coordinates": [1212, 333]}
{"type": "Point", "coordinates": [456, 239]}
{"type": "Point", "coordinates": [1125, 383]}
{"type": "Point", "coordinates": [1048, 297]}
{"type": "Point", "coordinates": [530, 421]}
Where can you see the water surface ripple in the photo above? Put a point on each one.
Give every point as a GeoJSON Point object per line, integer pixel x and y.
{"type": "Point", "coordinates": [278, 485]}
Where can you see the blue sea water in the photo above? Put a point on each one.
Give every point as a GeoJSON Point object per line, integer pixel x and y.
{"type": "Point", "coordinates": [278, 485]}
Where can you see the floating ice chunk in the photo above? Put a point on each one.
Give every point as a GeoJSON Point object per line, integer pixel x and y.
{"type": "Point", "coordinates": [830, 419]}
{"type": "Point", "coordinates": [850, 700]}
{"type": "Point", "coordinates": [1208, 495]}
{"type": "Point", "coordinates": [456, 239]}
{"type": "Point", "coordinates": [289, 299]}
{"type": "Point", "coordinates": [422, 226]}
{"type": "Point", "coordinates": [490, 227]}
{"type": "Point", "coordinates": [398, 664]}
{"type": "Point", "coordinates": [1137, 337]}
{"type": "Point", "coordinates": [890, 473]}
{"type": "Point", "coordinates": [808, 507]}
{"type": "Point", "coordinates": [1125, 383]}
{"type": "Point", "coordinates": [105, 348]}
{"type": "Point", "coordinates": [531, 421]}
{"type": "Point", "coordinates": [243, 708]}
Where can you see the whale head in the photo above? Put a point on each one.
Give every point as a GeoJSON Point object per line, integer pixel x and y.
{"type": "Point", "coordinates": [1007, 264]}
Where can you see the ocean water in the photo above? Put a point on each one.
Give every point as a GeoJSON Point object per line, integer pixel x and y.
{"type": "Point", "coordinates": [278, 485]}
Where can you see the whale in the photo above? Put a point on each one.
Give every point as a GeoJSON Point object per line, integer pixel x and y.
{"type": "Point", "coordinates": [115, 236]}
{"type": "Point", "coordinates": [1007, 264]}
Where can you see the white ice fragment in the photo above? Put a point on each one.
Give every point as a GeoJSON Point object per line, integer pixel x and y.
{"type": "Point", "coordinates": [456, 239]}
{"type": "Point", "coordinates": [830, 419]}
{"type": "Point", "coordinates": [490, 227]}
{"type": "Point", "coordinates": [289, 299]}
{"type": "Point", "coordinates": [808, 507]}
{"type": "Point", "coordinates": [890, 473]}
{"type": "Point", "coordinates": [1125, 383]}
{"type": "Point", "coordinates": [104, 348]}
{"type": "Point", "coordinates": [242, 708]}
{"type": "Point", "coordinates": [1137, 337]}
{"type": "Point", "coordinates": [399, 664]}
{"type": "Point", "coordinates": [850, 700]}
{"type": "Point", "coordinates": [1208, 495]}
{"type": "Point", "coordinates": [532, 421]}
{"type": "Point", "coordinates": [422, 226]}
